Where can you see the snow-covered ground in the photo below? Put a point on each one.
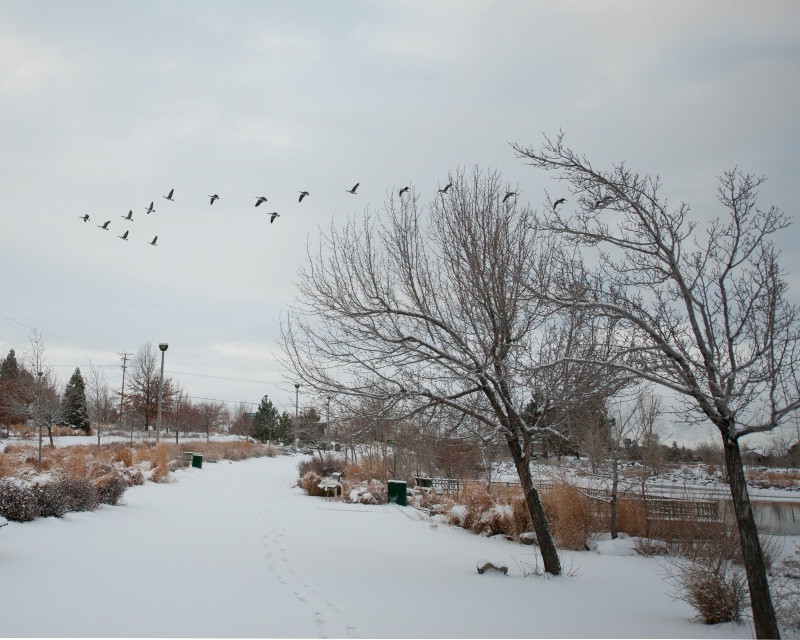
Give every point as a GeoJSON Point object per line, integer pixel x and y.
{"type": "Point", "coordinates": [234, 550]}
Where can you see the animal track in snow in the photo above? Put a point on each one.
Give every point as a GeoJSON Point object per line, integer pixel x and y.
{"type": "Point", "coordinates": [330, 619]}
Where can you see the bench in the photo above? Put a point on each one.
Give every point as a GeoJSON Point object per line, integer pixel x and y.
{"type": "Point", "coordinates": [332, 484]}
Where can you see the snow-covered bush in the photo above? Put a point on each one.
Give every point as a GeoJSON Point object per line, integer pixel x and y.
{"type": "Point", "coordinates": [374, 492]}
{"type": "Point", "coordinates": [17, 500]}
{"type": "Point", "coordinates": [81, 494]}
{"type": "Point", "coordinates": [458, 515]}
{"type": "Point", "coordinates": [487, 515]}
{"type": "Point", "coordinates": [51, 498]}
{"type": "Point", "coordinates": [111, 487]}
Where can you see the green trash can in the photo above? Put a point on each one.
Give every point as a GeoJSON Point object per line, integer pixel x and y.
{"type": "Point", "coordinates": [197, 460]}
{"type": "Point", "coordinates": [397, 492]}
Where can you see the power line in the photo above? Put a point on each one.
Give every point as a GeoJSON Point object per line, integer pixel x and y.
{"type": "Point", "coordinates": [203, 375]}
{"type": "Point", "coordinates": [55, 337]}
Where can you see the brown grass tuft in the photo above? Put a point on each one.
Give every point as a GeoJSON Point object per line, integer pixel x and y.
{"type": "Point", "coordinates": [631, 517]}
{"type": "Point", "coordinates": [309, 482]}
{"type": "Point", "coordinates": [570, 516]}
{"type": "Point", "coordinates": [160, 457]}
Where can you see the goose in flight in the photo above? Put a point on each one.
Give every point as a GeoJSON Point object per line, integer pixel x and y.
{"type": "Point", "coordinates": [150, 209]}
{"type": "Point", "coordinates": [154, 241]}
{"type": "Point", "coordinates": [260, 199]}
{"type": "Point", "coordinates": [169, 197]}
{"type": "Point", "coordinates": [509, 194]}
{"type": "Point", "coordinates": [558, 202]}
{"type": "Point", "coordinates": [446, 188]}
{"type": "Point", "coordinates": [129, 216]}
{"type": "Point", "coordinates": [353, 190]}
{"type": "Point", "coordinates": [402, 191]}
{"type": "Point", "coordinates": [272, 215]}
{"type": "Point", "coordinates": [214, 197]}
{"type": "Point", "coordinates": [105, 225]}
{"type": "Point", "coordinates": [124, 236]}
{"type": "Point", "coordinates": [84, 217]}
{"type": "Point", "coordinates": [602, 202]}
{"type": "Point", "coordinates": [303, 194]}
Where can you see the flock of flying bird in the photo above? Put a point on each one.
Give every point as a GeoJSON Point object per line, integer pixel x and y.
{"type": "Point", "coordinates": [274, 214]}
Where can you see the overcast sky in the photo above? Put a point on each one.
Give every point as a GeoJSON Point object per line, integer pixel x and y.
{"type": "Point", "coordinates": [106, 106]}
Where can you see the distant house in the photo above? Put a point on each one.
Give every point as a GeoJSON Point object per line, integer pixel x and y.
{"type": "Point", "coordinates": [757, 457]}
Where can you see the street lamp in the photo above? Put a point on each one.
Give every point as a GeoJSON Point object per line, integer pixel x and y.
{"type": "Point", "coordinates": [39, 413]}
{"type": "Point", "coordinates": [296, 399]}
{"type": "Point", "coordinates": [163, 346]}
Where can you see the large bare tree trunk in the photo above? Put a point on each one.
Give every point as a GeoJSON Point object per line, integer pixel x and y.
{"type": "Point", "coordinates": [764, 620]}
{"type": "Point", "coordinates": [552, 563]}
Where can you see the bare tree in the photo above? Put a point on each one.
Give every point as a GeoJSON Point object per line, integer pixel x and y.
{"type": "Point", "coordinates": [42, 402]}
{"type": "Point", "coordinates": [426, 310]}
{"type": "Point", "coordinates": [242, 420]}
{"type": "Point", "coordinates": [99, 399]}
{"type": "Point", "coordinates": [211, 415]}
{"type": "Point", "coordinates": [704, 315]}
{"type": "Point", "coordinates": [633, 420]}
{"type": "Point", "coordinates": [144, 384]}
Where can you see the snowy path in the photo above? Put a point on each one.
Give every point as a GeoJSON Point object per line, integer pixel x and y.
{"type": "Point", "coordinates": [233, 550]}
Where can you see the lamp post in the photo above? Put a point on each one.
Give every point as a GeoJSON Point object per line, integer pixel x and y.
{"type": "Point", "coordinates": [163, 346]}
{"type": "Point", "coordinates": [39, 418]}
{"type": "Point", "coordinates": [296, 400]}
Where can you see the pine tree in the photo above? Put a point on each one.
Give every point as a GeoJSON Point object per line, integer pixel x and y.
{"type": "Point", "coordinates": [285, 431]}
{"type": "Point", "coordinates": [266, 420]}
{"type": "Point", "coordinates": [11, 392]}
{"type": "Point", "coordinates": [76, 413]}
{"type": "Point", "coordinates": [9, 369]}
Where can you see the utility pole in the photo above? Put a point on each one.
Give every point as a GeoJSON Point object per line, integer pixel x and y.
{"type": "Point", "coordinates": [124, 357]}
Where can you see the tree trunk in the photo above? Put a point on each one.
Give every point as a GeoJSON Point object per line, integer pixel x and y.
{"type": "Point", "coordinates": [552, 563]}
{"type": "Point", "coordinates": [766, 625]}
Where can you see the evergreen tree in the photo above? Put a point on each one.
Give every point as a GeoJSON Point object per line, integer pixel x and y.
{"type": "Point", "coordinates": [76, 413]}
{"type": "Point", "coordinates": [285, 430]}
{"type": "Point", "coordinates": [11, 392]}
{"type": "Point", "coordinates": [266, 420]}
{"type": "Point", "coordinates": [9, 369]}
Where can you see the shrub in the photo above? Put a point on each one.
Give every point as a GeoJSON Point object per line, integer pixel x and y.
{"type": "Point", "coordinates": [51, 499]}
{"type": "Point", "coordinates": [322, 467]}
{"type": "Point", "coordinates": [374, 492]}
{"type": "Point", "coordinates": [111, 487]}
{"type": "Point", "coordinates": [133, 476]}
{"type": "Point", "coordinates": [81, 494]}
{"type": "Point", "coordinates": [17, 501]}
{"type": "Point", "coordinates": [715, 587]}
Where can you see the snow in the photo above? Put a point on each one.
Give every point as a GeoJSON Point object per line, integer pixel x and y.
{"type": "Point", "coordinates": [235, 550]}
